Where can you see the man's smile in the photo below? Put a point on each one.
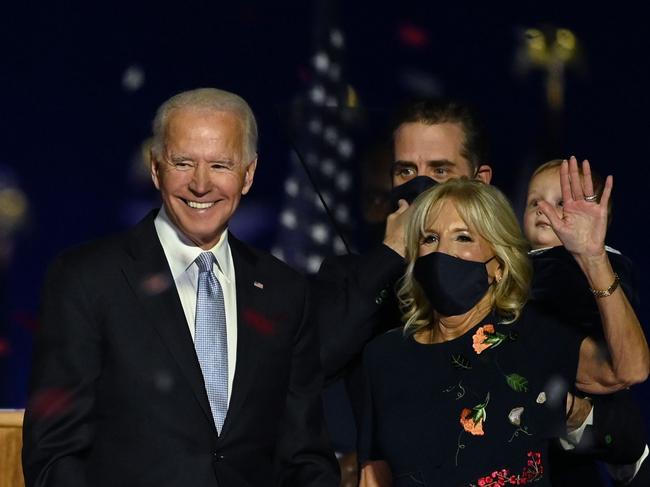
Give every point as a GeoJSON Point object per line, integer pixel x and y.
{"type": "Point", "coordinates": [197, 205]}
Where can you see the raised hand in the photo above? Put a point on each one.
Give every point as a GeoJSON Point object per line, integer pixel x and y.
{"type": "Point", "coordinates": [583, 225]}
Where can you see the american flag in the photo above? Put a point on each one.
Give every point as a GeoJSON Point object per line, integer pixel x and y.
{"type": "Point", "coordinates": [323, 141]}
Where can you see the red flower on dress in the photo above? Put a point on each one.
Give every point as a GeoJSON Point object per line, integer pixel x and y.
{"type": "Point", "coordinates": [472, 419]}
{"type": "Point", "coordinates": [485, 337]}
{"type": "Point", "coordinates": [469, 425]}
{"type": "Point", "coordinates": [480, 337]}
{"type": "Point", "coordinates": [532, 472]}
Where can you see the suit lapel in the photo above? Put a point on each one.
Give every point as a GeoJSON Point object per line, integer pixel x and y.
{"type": "Point", "coordinates": [150, 277]}
{"type": "Point", "coordinates": [249, 298]}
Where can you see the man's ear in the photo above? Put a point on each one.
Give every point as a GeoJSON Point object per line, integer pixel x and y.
{"type": "Point", "coordinates": [248, 175]}
{"type": "Point", "coordinates": [155, 169]}
{"type": "Point", "coordinates": [484, 173]}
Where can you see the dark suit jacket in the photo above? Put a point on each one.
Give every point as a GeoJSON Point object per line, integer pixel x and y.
{"type": "Point", "coordinates": [117, 396]}
{"type": "Point", "coordinates": [354, 302]}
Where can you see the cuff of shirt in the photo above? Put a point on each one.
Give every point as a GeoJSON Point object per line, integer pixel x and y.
{"type": "Point", "coordinates": [573, 437]}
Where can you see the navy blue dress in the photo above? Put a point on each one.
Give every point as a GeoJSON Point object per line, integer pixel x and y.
{"type": "Point", "coordinates": [475, 411]}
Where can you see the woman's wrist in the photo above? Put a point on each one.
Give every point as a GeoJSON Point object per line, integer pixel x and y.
{"type": "Point", "coordinates": [597, 269]}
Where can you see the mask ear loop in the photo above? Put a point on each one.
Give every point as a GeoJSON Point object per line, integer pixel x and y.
{"type": "Point", "coordinates": [491, 258]}
{"type": "Point", "coordinates": [497, 279]}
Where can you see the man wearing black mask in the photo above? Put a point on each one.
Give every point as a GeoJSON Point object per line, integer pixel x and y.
{"type": "Point", "coordinates": [433, 140]}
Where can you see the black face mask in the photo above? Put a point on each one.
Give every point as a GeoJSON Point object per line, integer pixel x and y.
{"type": "Point", "coordinates": [410, 190]}
{"type": "Point", "coordinates": [452, 285]}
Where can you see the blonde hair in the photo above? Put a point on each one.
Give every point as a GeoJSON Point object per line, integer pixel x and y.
{"type": "Point", "coordinates": [487, 211]}
{"type": "Point", "coordinates": [207, 99]}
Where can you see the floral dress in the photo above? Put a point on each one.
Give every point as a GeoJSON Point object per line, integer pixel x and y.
{"type": "Point", "coordinates": [478, 410]}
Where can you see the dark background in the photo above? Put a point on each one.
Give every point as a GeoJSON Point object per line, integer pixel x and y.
{"type": "Point", "coordinates": [71, 127]}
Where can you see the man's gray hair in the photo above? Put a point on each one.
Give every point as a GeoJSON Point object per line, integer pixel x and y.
{"type": "Point", "coordinates": [207, 99]}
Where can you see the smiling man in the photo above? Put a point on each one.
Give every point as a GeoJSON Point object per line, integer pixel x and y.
{"type": "Point", "coordinates": [174, 354]}
{"type": "Point", "coordinates": [202, 167]}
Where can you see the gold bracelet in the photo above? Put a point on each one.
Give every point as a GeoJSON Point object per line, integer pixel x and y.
{"type": "Point", "coordinates": [607, 292]}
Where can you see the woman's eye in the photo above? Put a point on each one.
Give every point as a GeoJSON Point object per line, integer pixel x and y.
{"type": "Point", "coordinates": [532, 203]}
{"type": "Point", "coordinates": [429, 239]}
{"type": "Point", "coordinates": [465, 238]}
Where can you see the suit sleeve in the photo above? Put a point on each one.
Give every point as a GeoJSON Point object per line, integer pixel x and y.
{"type": "Point", "coordinates": [618, 434]}
{"type": "Point", "coordinates": [353, 299]}
{"type": "Point", "coordinates": [304, 453]}
{"type": "Point", "coordinates": [366, 436]}
{"type": "Point", "coordinates": [58, 427]}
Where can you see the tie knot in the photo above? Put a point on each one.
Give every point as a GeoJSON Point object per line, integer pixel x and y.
{"type": "Point", "coordinates": [204, 261]}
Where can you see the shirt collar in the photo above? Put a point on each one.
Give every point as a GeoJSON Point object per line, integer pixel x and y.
{"type": "Point", "coordinates": [181, 252]}
{"type": "Point", "coordinates": [544, 249]}
{"type": "Point", "coordinates": [539, 251]}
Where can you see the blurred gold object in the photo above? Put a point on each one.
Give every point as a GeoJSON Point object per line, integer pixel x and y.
{"type": "Point", "coordinates": [352, 99]}
{"type": "Point", "coordinates": [13, 209]}
{"type": "Point", "coordinates": [143, 159]}
{"type": "Point", "coordinates": [551, 49]}
{"type": "Point", "coordinates": [566, 40]}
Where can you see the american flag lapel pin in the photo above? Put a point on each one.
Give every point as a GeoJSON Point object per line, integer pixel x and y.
{"type": "Point", "coordinates": [258, 284]}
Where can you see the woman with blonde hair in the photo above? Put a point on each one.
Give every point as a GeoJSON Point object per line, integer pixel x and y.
{"type": "Point", "coordinates": [472, 388]}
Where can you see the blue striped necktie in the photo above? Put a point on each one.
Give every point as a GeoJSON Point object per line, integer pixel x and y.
{"type": "Point", "coordinates": [210, 338]}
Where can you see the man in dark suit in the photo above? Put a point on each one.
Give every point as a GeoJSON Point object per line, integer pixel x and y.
{"type": "Point", "coordinates": [175, 355]}
{"type": "Point", "coordinates": [433, 140]}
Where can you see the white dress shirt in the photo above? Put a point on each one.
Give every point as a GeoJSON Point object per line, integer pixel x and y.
{"type": "Point", "coordinates": [181, 254]}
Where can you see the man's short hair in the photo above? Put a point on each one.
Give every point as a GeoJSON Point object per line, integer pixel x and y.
{"type": "Point", "coordinates": [207, 99]}
{"type": "Point", "coordinates": [434, 111]}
